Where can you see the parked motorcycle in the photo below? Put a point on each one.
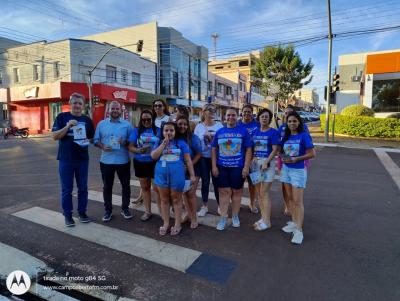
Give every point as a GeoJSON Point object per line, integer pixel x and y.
{"type": "Point", "coordinates": [22, 132]}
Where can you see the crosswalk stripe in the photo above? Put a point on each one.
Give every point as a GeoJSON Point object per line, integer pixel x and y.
{"type": "Point", "coordinates": [166, 254]}
{"type": "Point", "coordinates": [208, 220]}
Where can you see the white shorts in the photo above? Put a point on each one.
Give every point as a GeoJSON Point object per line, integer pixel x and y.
{"type": "Point", "coordinates": [269, 173]}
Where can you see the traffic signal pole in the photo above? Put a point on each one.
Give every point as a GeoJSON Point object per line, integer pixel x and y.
{"type": "Point", "coordinates": [328, 94]}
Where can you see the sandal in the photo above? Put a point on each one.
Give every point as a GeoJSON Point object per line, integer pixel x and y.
{"type": "Point", "coordinates": [256, 223]}
{"type": "Point", "coordinates": [175, 231]}
{"type": "Point", "coordinates": [261, 226]}
{"type": "Point", "coordinates": [185, 219]}
{"type": "Point", "coordinates": [146, 216]}
{"type": "Point", "coordinates": [194, 225]}
{"type": "Point", "coordinates": [163, 231]}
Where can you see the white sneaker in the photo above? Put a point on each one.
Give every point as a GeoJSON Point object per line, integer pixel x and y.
{"type": "Point", "coordinates": [289, 228]}
{"type": "Point", "coordinates": [203, 211]}
{"type": "Point", "coordinates": [219, 211]}
{"type": "Point", "coordinates": [297, 237]}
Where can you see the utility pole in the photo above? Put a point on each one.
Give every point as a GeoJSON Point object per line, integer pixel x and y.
{"type": "Point", "coordinates": [215, 36]}
{"type": "Point", "coordinates": [190, 82]}
{"type": "Point", "coordinates": [328, 93]}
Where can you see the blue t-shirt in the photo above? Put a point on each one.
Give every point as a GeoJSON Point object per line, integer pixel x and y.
{"type": "Point", "coordinates": [110, 133]}
{"type": "Point", "coordinates": [194, 146]}
{"type": "Point", "coordinates": [251, 126]}
{"type": "Point", "coordinates": [296, 146]}
{"type": "Point", "coordinates": [68, 150]}
{"type": "Point", "coordinates": [263, 141]}
{"type": "Point", "coordinates": [231, 144]}
{"type": "Point", "coordinates": [174, 152]}
{"type": "Point", "coordinates": [148, 139]}
{"type": "Point", "coordinates": [282, 128]}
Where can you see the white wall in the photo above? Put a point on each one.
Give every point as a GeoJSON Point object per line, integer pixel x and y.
{"type": "Point", "coordinates": [344, 99]}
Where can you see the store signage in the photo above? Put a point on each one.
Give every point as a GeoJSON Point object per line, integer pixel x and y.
{"type": "Point", "coordinates": [120, 94]}
{"type": "Point", "coordinates": [31, 92]}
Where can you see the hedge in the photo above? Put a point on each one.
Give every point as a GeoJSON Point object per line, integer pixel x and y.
{"type": "Point", "coordinates": [362, 126]}
{"type": "Point", "coordinates": [357, 110]}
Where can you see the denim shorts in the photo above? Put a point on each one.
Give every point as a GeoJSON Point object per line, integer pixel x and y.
{"type": "Point", "coordinates": [170, 175]}
{"type": "Point", "coordinates": [230, 177]}
{"type": "Point", "coordinates": [296, 177]}
{"type": "Point", "coordinates": [269, 173]}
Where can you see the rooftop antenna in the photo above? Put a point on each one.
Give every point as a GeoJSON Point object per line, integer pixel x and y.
{"type": "Point", "coordinates": [215, 36]}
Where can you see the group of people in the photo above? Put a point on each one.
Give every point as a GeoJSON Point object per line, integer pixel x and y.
{"type": "Point", "coordinates": [171, 154]}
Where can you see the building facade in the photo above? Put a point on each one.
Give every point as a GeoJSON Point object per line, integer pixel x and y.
{"type": "Point", "coordinates": [307, 98]}
{"type": "Point", "coordinates": [39, 76]}
{"type": "Point", "coordinates": [371, 79]}
{"type": "Point", "coordinates": [182, 65]}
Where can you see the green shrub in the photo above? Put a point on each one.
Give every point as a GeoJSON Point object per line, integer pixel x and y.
{"type": "Point", "coordinates": [361, 126]}
{"type": "Point", "coordinates": [357, 110]}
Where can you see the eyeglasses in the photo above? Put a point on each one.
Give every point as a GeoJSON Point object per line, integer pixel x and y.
{"type": "Point", "coordinates": [146, 119]}
{"type": "Point", "coordinates": [158, 106]}
{"type": "Point", "coordinates": [77, 103]}
{"type": "Point", "coordinates": [211, 110]}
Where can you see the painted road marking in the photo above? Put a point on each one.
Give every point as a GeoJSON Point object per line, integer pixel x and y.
{"type": "Point", "coordinates": [208, 220]}
{"type": "Point", "coordinates": [165, 254]}
{"type": "Point", "coordinates": [390, 165]}
{"type": "Point", "coordinates": [210, 267]}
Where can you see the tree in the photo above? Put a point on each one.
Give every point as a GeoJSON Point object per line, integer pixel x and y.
{"type": "Point", "coordinates": [280, 72]}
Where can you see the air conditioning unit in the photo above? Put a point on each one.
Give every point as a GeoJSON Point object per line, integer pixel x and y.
{"type": "Point", "coordinates": [356, 78]}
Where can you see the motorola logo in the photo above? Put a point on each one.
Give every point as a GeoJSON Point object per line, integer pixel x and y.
{"type": "Point", "coordinates": [18, 282]}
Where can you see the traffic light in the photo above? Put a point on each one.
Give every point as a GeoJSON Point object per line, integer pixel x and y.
{"type": "Point", "coordinates": [139, 46]}
{"type": "Point", "coordinates": [96, 100]}
{"type": "Point", "coordinates": [335, 83]}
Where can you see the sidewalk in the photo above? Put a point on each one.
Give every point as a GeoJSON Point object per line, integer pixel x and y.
{"type": "Point", "coordinates": [356, 142]}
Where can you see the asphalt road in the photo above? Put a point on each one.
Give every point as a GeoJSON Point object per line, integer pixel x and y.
{"type": "Point", "coordinates": [351, 249]}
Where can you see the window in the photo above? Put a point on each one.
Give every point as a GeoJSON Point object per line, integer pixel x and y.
{"type": "Point", "coordinates": [111, 74]}
{"type": "Point", "coordinates": [56, 68]}
{"type": "Point", "coordinates": [228, 90]}
{"type": "Point", "coordinates": [165, 80]}
{"type": "Point", "coordinates": [136, 79]}
{"type": "Point", "coordinates": [243, 63]}
{"type": "Point", "coordinates": [35, 72]}
{"type": "Point", "coordinates": [220, 88]}
{"type": "Point", "coordinates": [219, 67]}
{"type": "Point", "coordinates": [165, 54]}
{"type": "Point", "coordinates": [210, 86]}
{"type": "Point", "coordinates": [124, 75]}
{"type": "Point", "coordinates": [16, 75]}
{"type": "Point", "coordinates": [386, 95]}
{"type": "Point", "coordinates": [5, 112]}
{"type": "Point", "coordinates": [1, 77]}
{"type": "Point", "coordinates": [174, 83]}
{"type": "Point", "coordinates": [242, 87]}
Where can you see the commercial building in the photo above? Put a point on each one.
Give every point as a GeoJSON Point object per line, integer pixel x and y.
{"type": "Point", "coordinates": [39, 78]}
{"type": "Point", "coordinates": [308, 99]}
{"type": "Point", "coordinates": [371, 79]}
{"type": "Point", "coordinates": [182, 65]}
{"type": "Point", "coordinates": [241, 64]}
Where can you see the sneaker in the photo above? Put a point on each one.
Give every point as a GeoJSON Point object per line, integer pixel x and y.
{"type": "Point", "coordinates": [261, 226]}
{"type": "Point", "coordinates": [222, 223]}
{"type": "Point", "coordinates": [219, 211]}
{"type": "Point", "coordinates": [203, 211]}
{"type": "Point", "coordinates": [83, 218]}
{"type": "Point", "coordinates": [235, 221]}
{"type": "Point", "coordinates": [107, 217]}
{"type": "Point", "coordinates": [126, 214]}
{"type": "Point", "coordinates": [69, 221]}
{"type": "Point", "coordinates": [297, 237]}
{"type": "Point", "coordinates": [289, 228]}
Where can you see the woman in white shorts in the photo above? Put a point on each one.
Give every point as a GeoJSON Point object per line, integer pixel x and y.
{"type": "Point", "coordinates": [265, 141]}
{"type": "Point", "coordinates": [297, 147]}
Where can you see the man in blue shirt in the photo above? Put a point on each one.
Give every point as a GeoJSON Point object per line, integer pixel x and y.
{"type": "Point", "coordinates": [111, 137]}
{"type": "Point", "coordinates": [73, 130]}
{"type": "Point", "coordinates": [250, 124]}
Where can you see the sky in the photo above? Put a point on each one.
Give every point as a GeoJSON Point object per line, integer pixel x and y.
{"type": "Point", "coordinates": [242, 25]}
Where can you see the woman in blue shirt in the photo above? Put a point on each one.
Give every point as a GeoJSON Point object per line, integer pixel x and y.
{"type": "Point", "coordinates": [297, 147]}
{"type": "Point", "coordinates": [141, 142]}
{"type": "Point", "coordinates": [230, 157]}
{"type": "Point", "coordinates": [194, 143]}
{"type": "Point", "coordinates": [172, 155]}
{"type": "Point", "coordinates": [265, 146]}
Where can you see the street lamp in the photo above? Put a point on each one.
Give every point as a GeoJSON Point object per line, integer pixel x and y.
{"type": "Point", "coordinates": [139, 47]}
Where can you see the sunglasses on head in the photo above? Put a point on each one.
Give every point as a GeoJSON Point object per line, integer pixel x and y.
{"type": "Point", "coordinates": [158, 106]}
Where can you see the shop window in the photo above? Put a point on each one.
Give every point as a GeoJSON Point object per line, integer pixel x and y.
{"type": "Point", "coordinates": [111, 74]}
{"type": "Point", "coordinates": [386, 95]}
{"type": "Point", "coordinates": [124, 75]}
{"type": "Point", "coordinates": [135, 79]}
